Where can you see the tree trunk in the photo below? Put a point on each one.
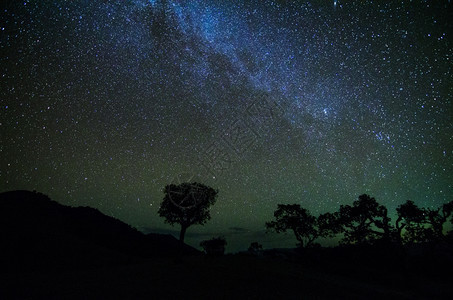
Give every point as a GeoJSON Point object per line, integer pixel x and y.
{"type": "Point", "coordinates": [182, 233]}
{"type": "Point", "coordinates": [299, 238]}
{"type": "Point", "coordinates": [399, 230]}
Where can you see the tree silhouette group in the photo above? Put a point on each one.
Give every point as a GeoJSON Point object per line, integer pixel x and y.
{"type": "Point", "coordinates": [364, 222]}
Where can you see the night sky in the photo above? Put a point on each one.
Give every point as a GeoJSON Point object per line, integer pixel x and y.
{"type": "Point", "coordinates": [103, 103]}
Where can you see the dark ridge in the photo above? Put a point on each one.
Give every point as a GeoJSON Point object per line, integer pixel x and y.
{"type": "Point", "coordinates": [37, 232]}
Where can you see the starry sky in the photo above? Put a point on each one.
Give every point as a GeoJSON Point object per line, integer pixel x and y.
{"type": "Point", "coordinates": [103, 103]}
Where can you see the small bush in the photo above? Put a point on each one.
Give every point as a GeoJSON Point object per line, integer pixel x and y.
{"type": "Point", "coordinates": [214, 246]}
{"type": "Point", "coordinates": [255, 248]}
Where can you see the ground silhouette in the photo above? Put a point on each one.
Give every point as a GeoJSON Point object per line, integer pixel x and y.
{"type": "Point", "coordinates": [37, 233]}
{"type": "Point", "coordinates": [52, 251]}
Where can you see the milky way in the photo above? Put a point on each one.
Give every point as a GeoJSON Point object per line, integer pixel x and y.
{"type": "Point", "coordinates": [103, 103]}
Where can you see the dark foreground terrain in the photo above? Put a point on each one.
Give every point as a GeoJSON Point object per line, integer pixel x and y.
{"type": "Point", "coordinates": [51, 251]}
{"type": "Point", "coordinates": [229, 277]}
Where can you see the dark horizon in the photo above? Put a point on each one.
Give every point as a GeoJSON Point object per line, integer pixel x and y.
{"type": "Point", "coordinates": [239, 239]}
{"type": "Point", "coordinates": [55, 251]}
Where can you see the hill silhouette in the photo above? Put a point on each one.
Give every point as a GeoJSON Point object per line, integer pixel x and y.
{"type": "Point", "coordinates": [37, 233]}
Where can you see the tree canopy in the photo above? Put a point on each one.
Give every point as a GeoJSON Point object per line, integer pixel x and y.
{"type": "Point", "coordinates": [364, 222]}
{"type": "Point", "coordinates": [187, 204]}
{"type": "Point", "coordinates": [296, 219]}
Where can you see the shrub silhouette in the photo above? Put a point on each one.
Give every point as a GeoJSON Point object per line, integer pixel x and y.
{"type": "Point", "coordinates": [255, 248]}
{"type": "Point", "coordinates": [214, 246]}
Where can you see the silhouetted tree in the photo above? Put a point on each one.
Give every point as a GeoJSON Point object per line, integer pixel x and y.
{"type": "Point", "coordinates": [298, 220]}
{"type": "Point", "coordinates": [328, 225]}
{"type": "Point", "coordinates": [214, 246]}
{"type": "Point", "coordinates": [187, 204]}
{"type": "Point", "coordinates": [415, 225]}
{"type": "Point", "coordinates": [411, 218]}
{"type": "Point", "coordinates": [361, 221]}
{"type": "Point", "coordinates": [449, 234]}
{"type": "Point", "coordinates": [437, 218]}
